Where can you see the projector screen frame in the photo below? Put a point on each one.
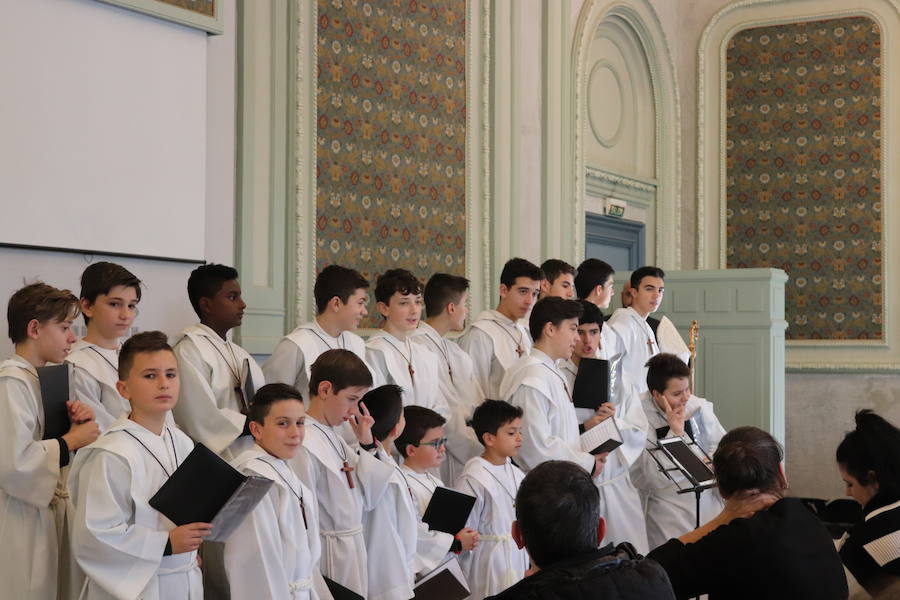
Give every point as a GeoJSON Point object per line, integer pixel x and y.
{"type": "Point", "coordinates": [190, 261]}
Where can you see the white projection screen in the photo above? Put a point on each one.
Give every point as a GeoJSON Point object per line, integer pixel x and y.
{"type": "Point", "coordinates": [102, 130]}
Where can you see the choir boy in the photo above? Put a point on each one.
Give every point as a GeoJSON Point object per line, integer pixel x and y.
{"type": "Point", "coordinates": [496, 340]}
{"type": "Point", "coordinates": [126, 548]}
{"type": "Point", "coordinates": [595, 282]}
{"type": "Point", "coordinates": [341, 298]}
{"type": "Point", "coordinates": [496, 563]}
{"type": "Point", "coordinates": [390, 350]}
{"type": "Point", "coordinates": [391, 527]}
{"type": "Point", "coordinates": [274, 553]}
{"type": "Point", "coordinates": [559, 279]}
{"type": "Point", "coordinates": [445, 304]}
{"type": "Point", "coordinates": [422, 445]}
{"type": "Point", "coordinates": [346, 482]}
{"type": "Point", "coordinates": [214, 370]}
{"type": "Point", "coordinates": [109, 302]}
{"type": "Point", "coordinates": [34, 553]}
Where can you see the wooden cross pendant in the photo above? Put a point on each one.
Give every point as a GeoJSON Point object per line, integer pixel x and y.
{"type": "Point", "coordinates": [650, 345]}
{"type": "Point", "coordinates": [347, 469]}
{"type": "Point", "coordinates": [412, 372]}
{"type": "Point", "coordinates": [450, 372]}
{"type": "Point", "coordinates": [519, 350]}
{"type": "Point", "coordinates": [303, 512]}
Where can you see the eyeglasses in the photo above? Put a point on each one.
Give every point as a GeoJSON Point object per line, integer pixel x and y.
{"type": "Point", "coordinates": [434, 443]}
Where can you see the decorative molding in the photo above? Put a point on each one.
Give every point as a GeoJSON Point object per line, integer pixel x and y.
{"type": "Point", "coordinates": [642, 185]}
{"type": "Point", "coordinates": [306, 149]}
{"type": "Point", "coordinates": [642, 19]}
{"type": "Point", "coordinates": [811, 355]}
{"type": "Point", "coordinates": [169, 11]}
{"type": "Point", "coordinates": [614, 138]}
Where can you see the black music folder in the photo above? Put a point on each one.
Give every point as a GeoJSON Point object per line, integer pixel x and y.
{"type": "Point", "coordinates": [448, 510]}
{"type": "Point", "coordinates": [54, 383]}
{"type": "Point", "coordinates": [339, 592]}
{"type": "Point", "coordinates": [446, 582]}
{"type": "Point", "coordinates": [591, 387]}
{"type": "Point", "coordinates": [206, 489]}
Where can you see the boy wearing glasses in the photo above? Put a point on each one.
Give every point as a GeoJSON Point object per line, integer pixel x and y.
{"type": "Point", "coordinates": [423, 446]}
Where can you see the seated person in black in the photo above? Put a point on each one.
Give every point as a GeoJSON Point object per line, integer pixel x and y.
{"type": "Point", "coordinates": [869, 462]}
{"type": "Point", "coordinates": [558, 521]}
{"type": "Point", "coordinates": [781, 551]}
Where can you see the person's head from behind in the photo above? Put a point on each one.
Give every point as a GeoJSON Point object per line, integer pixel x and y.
{"type": "Point", "coordinates": [40, 319]}
{"type": "Point", "coordinates": [341, 296]}
{"type": "Point", "coordinates": [748, 459]}
{"type": "Point", "coordinates": [520, 282]}
{"type": "Point", "coordinates": [648, 285]}
{"type": "Point", "coordinates": [337, 382]}
{"type": "Point", "coordinates": [595, 282]}
{"type": "Point", "coordinates": [590, 324]}
{"type": "Point", "coordinates": [215, 294]}
{"type": "Point", "coordinates": [869, 459]}
{"type": "Point", "coordinates": [669, 381]}
{"type": "Point", "coordinates": [559, 279]}
{"type": "Point", "coordinates": [557, 513]}
{"type": "Point", "coordinates": [554, 326]}
{"type": "Point", "coordinates": [399, 299]}
{"type": "Point", "coordinates": [109, 297]}
{"type": "Point", "coordinates": [422, 443]}
{"type": "Point", "coordinates": [498, 426]}
{"type": "Point", "coordinates": [446, 295]}
{"type": "Point", "coordinates": [385, 405]}
{"type": "Point", "coordinates": [148, 373]}
{"type": "Point", "coordinates": [277, 419]}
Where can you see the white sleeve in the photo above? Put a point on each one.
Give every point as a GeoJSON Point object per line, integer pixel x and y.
{"type": "Point", "coordinates": [286, 365]}
{"type": "Point", "coordinates": [480, 348]}
{"type": "Point", "coordinates": [90, 391]}
{"type": "Point", "coordinates": [538, 442]}
{"type": "Point", "coordinates": [253, 554]}
{"type": "Point", "coordinates": [381, 374]}
{"type": "Point", "coordinates": [467, 485]}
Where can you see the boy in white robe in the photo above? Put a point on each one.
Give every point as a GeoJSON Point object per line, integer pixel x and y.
{"type": "Point", "coordinates": [126, 548]}
{"type": "Point", "coordinates": [635, 341]}
{"type": "Point", "coordinates": [391, 527]}
{"type": "Point", "coordinates": [672, 411]}
{"type": "Point", "coordinates": [536, 385]}
{"type": "Point", "coordinates": [445, 304]}
{"type": "Point", "coordinates": [667, 336]}
{"type": "Point", "coordinates": [496, 340]}
{"type": "Point", "coordinates": [620, 502]}
{"type": "Point", "coordinates": [212, 409]}
{"type": "Point", "coordinates": [274, 553]}
{"type": "Point", "coordinates": [34, 552]}
{"type": "Point", "coordinates": [559, 279]}
{"type": "Point", "coordinates": [390, 350]}
{"type": "Point", "coordinates": [345, 481]}
{"type": "Point", "coordinates": [422, 446]}
{"type": "Point", "coordinates": [595, 282]}
{"type": "Point", "coordinates": [341, 300]}
{"type": "Point", "coordinates": [496, 563]}
{"type": "Point", "coordinates": [109, 297]}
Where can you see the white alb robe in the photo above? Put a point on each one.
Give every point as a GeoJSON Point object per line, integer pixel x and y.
{"type": "Point", "coordinates": [318, 464]}
{"type": "Point", "coordinates": [668, 513]}
{"type": "Point", "coordinates": [298, 350]}
{"type": "Point", "coordinates": [635, 341]}
{"type": "Point", "coordinates": [33, 498]}
{"type": "Point", "coordinates": [491, 342]}
{"type": "Point", "coordinates": [549, 425]}
{"type": "Point", "coordinates": [432, 547]}
{"type": "Point", "coordinates": [94, 379]}
{"type": "Point", "coordinates": [620, 503]}
{"type": "Point", "coordinates": [209, 407]}
{"type": "Point", "coordinates": [118, 539]}
{"type": "Point", "coordinates": [388, 356]}
{"type": "Point", "coordinates": [460, 389]}
{"type": "Point", "coordinates": [391, 530]}
{"type": "Point", "coordinates": [670, 340]}
{"type": "Point", "coordinates": [274, 553]}
{"type": "Point", "coordinates": [495, 563]}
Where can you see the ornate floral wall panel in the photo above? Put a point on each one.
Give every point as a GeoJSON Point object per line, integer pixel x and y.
{"type": "Point", "coordinates": [391, 136]}
{"type": "Point", "coordinates": [803, 170]}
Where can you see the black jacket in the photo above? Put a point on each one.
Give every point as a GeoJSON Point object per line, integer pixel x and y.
{"type": "Point", "coordinates": [608, 573]}
{"type": "Point", "coordinates": [783, 552]}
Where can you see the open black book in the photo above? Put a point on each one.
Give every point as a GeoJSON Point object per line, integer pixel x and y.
{"type": "Point", "coordinates": [446, 582]}
{"type": "Point", "coordinates": [591, 387]}
{"type": "Point", "coordinates": [448, 510]}
{"type": "Point", "coordinates": [602, 437]}
{"type": "Point", "coordinates": [206, 489]}
{"type": "Point", "coordinates": [54, 382]}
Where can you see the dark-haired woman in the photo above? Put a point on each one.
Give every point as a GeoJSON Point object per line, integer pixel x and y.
{"type": "Point", "coordinates": [869, 462]}
{"type": "Point", "coordinates": [781, 551]}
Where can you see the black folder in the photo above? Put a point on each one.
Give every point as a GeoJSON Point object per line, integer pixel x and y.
{"type": "Point", "coordinates": [448, 510]}
{"type": "Point", "coordinates": [446, 582]}
{"type": "Point", "coordinates": [340, 592]}
{"type": "Point", "coordinates": [249, 392]}
{"type": "Point", "coordinates": [54, 382]}
{"type": "Point", "coordinates": [591, 383]}
{"type": "Point", "coordinates": [206, 489]}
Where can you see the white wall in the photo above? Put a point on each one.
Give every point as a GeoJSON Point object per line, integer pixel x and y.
{"type": "Point", "coordinates": [165, 305]}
